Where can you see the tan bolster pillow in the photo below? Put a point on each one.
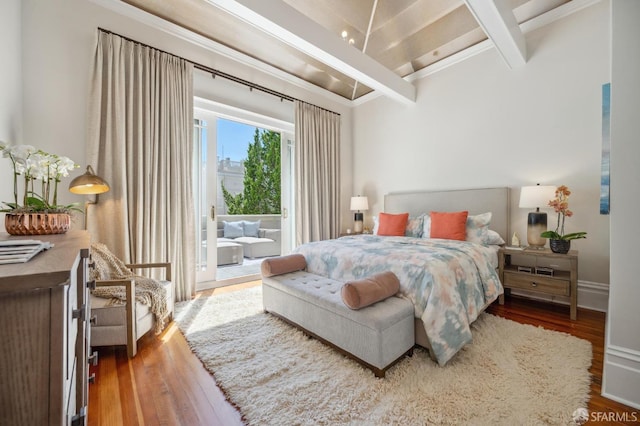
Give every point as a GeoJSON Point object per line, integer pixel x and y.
{"type": "Point", "coordinates": [283, 265]}
{"type": "Point", "coordinates": [367, 291]}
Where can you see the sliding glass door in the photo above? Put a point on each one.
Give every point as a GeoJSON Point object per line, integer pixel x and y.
{"type": "Point", "coordinates": [205, 190]}
{"type": "Point", "coordinates": [243, 169]}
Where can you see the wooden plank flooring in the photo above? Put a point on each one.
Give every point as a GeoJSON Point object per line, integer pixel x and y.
{"type": "Point", "coordinates": [165, 384]}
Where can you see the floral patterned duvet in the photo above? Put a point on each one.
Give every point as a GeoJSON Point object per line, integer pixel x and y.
{"type": "Point", "coordinates": [449, 282]}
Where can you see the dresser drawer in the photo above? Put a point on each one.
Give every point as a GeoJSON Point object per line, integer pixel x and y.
{"type": "Point", "coordinates": [537, 283]}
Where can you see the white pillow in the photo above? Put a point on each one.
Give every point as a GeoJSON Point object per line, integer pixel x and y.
{"type": "Point", "coordinates": [477, 227]}
{"type": "Point", "coordinates": [426, 226]}
{"type": "Point", "coordinates": [414, 226]}
{"type": "Point", "coordinates": [493, 238]}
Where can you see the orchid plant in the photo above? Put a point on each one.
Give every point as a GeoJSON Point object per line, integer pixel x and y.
{"type": "Point", "coordinates": [35, 169]}
{"type": "Point", "coordinates": [561, 206]}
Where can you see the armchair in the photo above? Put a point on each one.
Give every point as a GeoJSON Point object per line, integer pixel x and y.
{"type": "Point", "coordinates": [125, 324]}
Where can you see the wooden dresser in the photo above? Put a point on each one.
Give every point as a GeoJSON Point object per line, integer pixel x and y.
{"type": "Point", "coordinates": [44, 334]}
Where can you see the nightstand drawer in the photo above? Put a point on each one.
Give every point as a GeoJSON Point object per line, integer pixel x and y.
{"type": "Point", "coordinates": [537, 283]}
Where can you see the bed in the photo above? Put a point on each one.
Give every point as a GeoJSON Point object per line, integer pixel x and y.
{"type": "Point", "coordinates": [449, 282]}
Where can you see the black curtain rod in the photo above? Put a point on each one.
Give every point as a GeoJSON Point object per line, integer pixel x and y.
{"type": "Point", "coordinates": [217, 73]}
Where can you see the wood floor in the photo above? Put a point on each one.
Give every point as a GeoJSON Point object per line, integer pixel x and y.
{"type": "Point", "coordinates": [165, 384]}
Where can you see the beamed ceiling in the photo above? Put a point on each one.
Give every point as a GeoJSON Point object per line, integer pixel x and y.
{"type": "Point", "coordinates": [385, 41]}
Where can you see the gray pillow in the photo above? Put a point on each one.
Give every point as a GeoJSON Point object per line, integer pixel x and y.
{"type": "Point", "coordinates": [233, 229]}
{"type": "Point", "coordinates": [251, 228]}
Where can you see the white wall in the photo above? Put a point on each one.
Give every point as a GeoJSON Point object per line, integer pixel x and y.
{"type": "Point", "coordinates": [10, 89]}
{"type": "Point", "coordinates": [58, 45]}
{"type": "Point", "coordinates": [10, 81]}
{"type": "Point", "coordinates": [480, 124]}
{"type": "Point", "coordinates": [622, 354]}
{"type": "Point", "coordinates": [476, 124]}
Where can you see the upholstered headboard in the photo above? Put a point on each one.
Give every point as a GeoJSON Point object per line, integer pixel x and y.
{"type": "Point", "coordinates": [476, 201]}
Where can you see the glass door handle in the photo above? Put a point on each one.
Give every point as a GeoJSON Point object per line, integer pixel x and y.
{"type": "Point", "coordinates": [213, 212]}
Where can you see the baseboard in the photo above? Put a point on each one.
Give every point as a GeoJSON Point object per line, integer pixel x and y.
{"type": "Point", "coordinates": [208, 285]}
{"type": "Point", "coordinates": [621, 375]}
{"type": "Point", "coordinates": [593, 296]}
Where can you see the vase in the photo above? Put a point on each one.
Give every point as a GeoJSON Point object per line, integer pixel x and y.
{"type": "Point", "coordinates": [37, 223]}
{"type": "Point", "coordinates": [560, 246]}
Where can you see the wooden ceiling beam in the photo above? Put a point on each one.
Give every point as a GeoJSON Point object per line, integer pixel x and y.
{"type": "Point", "coordinates": [499, 23]}
{"type": "Point", "coordinates": [297, 30]}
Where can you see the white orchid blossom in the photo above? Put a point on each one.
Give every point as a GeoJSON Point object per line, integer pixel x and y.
{"type": "Point", "coordinates": [65, 165]}
{"type": "Point", "coordinates": [21, 152]}
{"type": "Point", "coordinates": [33, 166]}
{"type": "Point", "coordinates": [19, 166]}
{"type": "Point", "coordinates": [38, 166]}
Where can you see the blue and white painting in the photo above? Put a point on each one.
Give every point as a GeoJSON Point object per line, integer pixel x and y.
{"type": "Point", "coordinates": [606, 148]}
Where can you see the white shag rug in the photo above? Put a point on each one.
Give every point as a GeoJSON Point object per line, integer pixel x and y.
{"type": "Point", "coordinates": [511, 373]}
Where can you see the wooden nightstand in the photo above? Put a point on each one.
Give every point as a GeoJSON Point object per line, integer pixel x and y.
{"type": "Point", "coordinates": [345, 234]}
{"type": "Point", "coordinates": [540, 271]}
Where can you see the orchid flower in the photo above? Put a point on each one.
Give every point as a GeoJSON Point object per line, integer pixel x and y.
{"type": "Point", "coordinates": [36, 166]}
{"type": "Point", "coordinates": [560, 205]}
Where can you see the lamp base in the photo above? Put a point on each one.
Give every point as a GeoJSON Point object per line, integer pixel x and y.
{"type": "Point", "coordinates": [536, 225]}
{"type": "Point", "coordinates": [358, 220]}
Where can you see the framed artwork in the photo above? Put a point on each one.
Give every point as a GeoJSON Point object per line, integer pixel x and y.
{"type": "Point", "coordinates": [606, 148]}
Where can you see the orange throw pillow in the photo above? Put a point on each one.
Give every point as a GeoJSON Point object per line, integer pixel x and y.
{"type": "Point", "coordinates": [449, 226]}
{"type": "Point", "coordinates": [392, 224]}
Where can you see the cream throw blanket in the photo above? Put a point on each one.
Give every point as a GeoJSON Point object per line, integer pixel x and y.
{"type": "Point", "coordinates": [148, 291]}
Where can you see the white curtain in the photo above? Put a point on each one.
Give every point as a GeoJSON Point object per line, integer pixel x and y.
{"type": "Point", "coordinates": [140, 141]}
{"type": "Point", "coordinates": [317, 173]}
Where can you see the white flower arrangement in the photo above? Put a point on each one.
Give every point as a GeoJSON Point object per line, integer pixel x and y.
{"type": "Point", "coordinates": [36, 167]}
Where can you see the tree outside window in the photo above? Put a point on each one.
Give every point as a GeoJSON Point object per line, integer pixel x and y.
{"type": "Point", "coordinates": [261, 192]}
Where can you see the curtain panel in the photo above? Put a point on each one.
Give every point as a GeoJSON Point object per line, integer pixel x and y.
{"type": "Point", "coordinates": [317, 173]}
{"type": "Point", "coordinates": [140, 141]}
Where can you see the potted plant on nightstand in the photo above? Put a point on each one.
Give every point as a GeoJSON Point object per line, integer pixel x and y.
{"type": "Point", "coordinates": [39, 213]}
{"type": "Point", "coordinates": [558, 240]}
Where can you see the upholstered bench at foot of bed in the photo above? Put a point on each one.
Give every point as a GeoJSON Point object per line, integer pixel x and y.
{"type": "Point", "coordinates": [378, 336]}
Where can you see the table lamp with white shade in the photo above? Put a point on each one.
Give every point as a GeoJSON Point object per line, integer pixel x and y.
{"type": "Point", "coordinates": [535, 197]}
{"type": "Point", "coordinates": [359, 204]}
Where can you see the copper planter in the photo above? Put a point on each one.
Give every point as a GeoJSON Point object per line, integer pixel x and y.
{"type": "Point", "coordinates": [37, 223]}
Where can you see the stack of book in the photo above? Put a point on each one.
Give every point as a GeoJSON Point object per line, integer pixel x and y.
{"type": "Point", "coordinates": [20, 251]}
